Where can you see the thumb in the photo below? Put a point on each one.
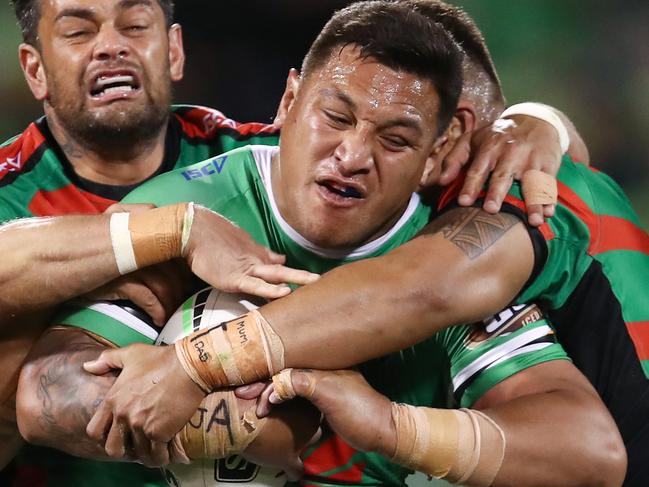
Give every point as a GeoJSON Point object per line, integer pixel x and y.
{"type": "Point", "coordinates": [107, 361]}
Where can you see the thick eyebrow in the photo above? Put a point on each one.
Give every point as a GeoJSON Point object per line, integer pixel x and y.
{"type": "Point", "coordinates": [333, 93]}
{"type": "Point", "coordinates": [410, 121]}
{"type": "Point", "coordinates": [82, 13]}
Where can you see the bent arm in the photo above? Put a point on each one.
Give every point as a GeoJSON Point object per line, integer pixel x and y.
{"type": "Point", "coordinates": [557, 431]}
{"type": "Point", "coordinates": [467, 266]}
{"type": "Point", "coordinates": [557, 428]}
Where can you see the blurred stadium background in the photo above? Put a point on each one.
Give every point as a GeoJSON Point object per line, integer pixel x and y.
{"type": "Point", "coordinates": [591, 59]}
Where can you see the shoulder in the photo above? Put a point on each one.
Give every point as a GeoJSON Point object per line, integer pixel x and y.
{"type": "Point", "coordinates": [207, 123]}
{"type": "Point", "coordinates": [20, 153]}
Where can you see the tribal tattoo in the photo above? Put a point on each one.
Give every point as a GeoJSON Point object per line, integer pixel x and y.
{"type": "Point", "coordinates": [472, 230]}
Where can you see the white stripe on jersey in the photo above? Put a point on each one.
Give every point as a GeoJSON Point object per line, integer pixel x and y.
{"type": "Point", "coordinates": [264, 157]}
{"type": "Point", "coordinates": [120, 314]}
{"type": "Point", "coordinates": [534, 347]}
{"type": "Point", "coordinates": [500, 352]}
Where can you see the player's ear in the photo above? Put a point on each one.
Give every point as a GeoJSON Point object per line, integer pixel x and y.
{"type": "Point", "coordinates": [34, 71]}
{"type": "Point", "coordinates": [176, 53]}
{"type": "Point", "coordinates": [290, 93]}
{"type": "Point", "coordinates": [441, 148]}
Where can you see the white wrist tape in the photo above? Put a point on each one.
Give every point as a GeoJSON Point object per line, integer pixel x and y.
{"type": "Point", "coordinates": [542, 112]}
{"type": "Point", "coordinates": [120, 236]}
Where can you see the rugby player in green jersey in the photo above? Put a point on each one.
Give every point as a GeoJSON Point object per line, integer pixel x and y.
{"type": "Point", "coordinates": [399, 115]}
{"type": "Point", "coordinates": [586, 265]}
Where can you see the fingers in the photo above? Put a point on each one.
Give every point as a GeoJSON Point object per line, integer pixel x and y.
{"type": "Point", "coordinates": [535, 215]}
{"type": "Point", "coordinates": [116, 440]}
{"type": "Point", "coordinates": [107, 361]}
{"type": "Point", "coordinates": [263, 403]}
{"type": "Point", "coordinates": [506, 171]}
{"type": "Point", "coordinates": [276, 274]}
{"type": "Point", "coordinates": [482, 164]}
{"type": "Point", "coordinates": [259, 287]}
{"type": "Point", "coordinates": [250, 391]}
{"type": "Point", "coordinates": [456, 159]}
{"type": "Point", "coordinates": [99, 424]}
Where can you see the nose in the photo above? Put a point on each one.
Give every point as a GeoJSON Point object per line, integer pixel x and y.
{"type": "Point", "coordinates": [354, 152]}
{"type": "Point", "coordinates": [110, 44]}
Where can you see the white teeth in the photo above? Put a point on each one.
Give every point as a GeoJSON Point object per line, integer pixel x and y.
{"type": "Point", "coordinates": [106, 80]}
{"type": "Point", "coordinates": [117, 89]}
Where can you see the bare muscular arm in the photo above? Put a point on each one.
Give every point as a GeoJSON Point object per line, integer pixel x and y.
{"type": "Point", "coordinates": [557, 430]}
{"type": "Point", "coordinates": [466, 266]}
{"type": "Point", "coordinates": [56, 400]}
{"type": "Point", "coordinates": [47, 261]}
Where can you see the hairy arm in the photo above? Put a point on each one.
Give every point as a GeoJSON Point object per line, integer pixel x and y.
{"type": "Point", "coordinates": [466, 266]}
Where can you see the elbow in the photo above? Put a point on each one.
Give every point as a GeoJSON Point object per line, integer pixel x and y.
{"type": "Point", "coordinates": [612, 460]}
{"type": "Point", "coordinates": [608, 458]}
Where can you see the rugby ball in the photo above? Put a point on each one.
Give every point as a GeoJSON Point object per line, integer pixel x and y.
{"type": "Point", "coordinates": [206, 308]}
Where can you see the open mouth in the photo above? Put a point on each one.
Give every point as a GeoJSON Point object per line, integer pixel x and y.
{"type": "Point", "coordinates": [114, 84]}
{"type": "Point", "coordinates": [341, 190]}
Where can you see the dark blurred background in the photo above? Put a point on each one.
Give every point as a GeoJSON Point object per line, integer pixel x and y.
{"type": "Point", "coordinates": [590, 59]}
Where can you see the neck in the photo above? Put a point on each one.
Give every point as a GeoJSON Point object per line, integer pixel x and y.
{"type": "Point", "coordinates": [117, 164]}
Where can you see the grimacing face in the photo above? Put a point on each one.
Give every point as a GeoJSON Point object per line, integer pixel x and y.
{"type": "Point", "coordinates": [108, 66]}
{"type": "Point", "coordinates": [356, 139]}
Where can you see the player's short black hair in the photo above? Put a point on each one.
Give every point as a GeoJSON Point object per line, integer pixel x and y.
{"type": "Point", "coordinates": [396, 35]}
{"type": "Point", "coordinates": [28, 14]}
{"type": "Point", "coordinates": [471, 41]}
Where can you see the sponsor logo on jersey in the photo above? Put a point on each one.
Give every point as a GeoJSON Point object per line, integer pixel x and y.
{"type": "Point", "coordinates": [11, 164]}
{"type": "Point", "coordinates": [507, 321]}
{"type": "Point", "coordinates": [213, 166]}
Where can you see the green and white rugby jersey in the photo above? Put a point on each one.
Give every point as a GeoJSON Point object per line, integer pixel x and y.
{"type": "Point", "coordinates": [453, 368]}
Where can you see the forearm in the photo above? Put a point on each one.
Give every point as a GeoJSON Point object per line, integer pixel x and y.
{"type": "Point", "coordinates": [56, 398]}
{"type": "Point", "coordinates": [49, 260]}
{"type": "Point", "coordinates": [559, 438]}
{"type": "Point", "coordinates": [370, 308]}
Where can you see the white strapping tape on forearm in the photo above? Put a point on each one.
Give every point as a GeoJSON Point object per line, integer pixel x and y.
{"type": "Point", "coordinates": [542, 112]}
{"type": "Point", "coordinates": [188, 220]}
{"type": "Point", "coordinates": [120, 237]}
{"type": "Point", "coordinates": [462, 446]}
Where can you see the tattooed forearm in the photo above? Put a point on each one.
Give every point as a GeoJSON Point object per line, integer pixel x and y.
{"type": "Point", "coordinates": [473, 230]}
{"type": "Point", "coordinates": [63, 398]}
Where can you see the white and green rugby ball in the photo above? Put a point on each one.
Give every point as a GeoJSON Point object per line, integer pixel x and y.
{"type": "Point", "coordinates": [207, 308]}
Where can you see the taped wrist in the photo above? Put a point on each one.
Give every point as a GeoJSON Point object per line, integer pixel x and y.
{"type": "Point", "coordinates": [150, 237]}
{"type": "Point", "coordinates": [218, 429]}
{"type": "Point", "coordinates": [538, 188]}
{"type": "Point", "coordinates": [461, 446]}
{"type": "Point", "coordinates": [235, 352]}
{"type": "Point", "coordinates": [545, 113]}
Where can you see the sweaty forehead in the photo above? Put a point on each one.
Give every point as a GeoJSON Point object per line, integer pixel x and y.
{"type": "Point", "coordinates": [366, 81]}
{"type": "Point", "coordinates": [56, 9]}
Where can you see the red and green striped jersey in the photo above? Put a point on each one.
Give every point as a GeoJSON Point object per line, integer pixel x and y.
{"type": "Point", "coordinates": [36, 179]}
{"type": "Point", "coordinates": [592, 279]}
